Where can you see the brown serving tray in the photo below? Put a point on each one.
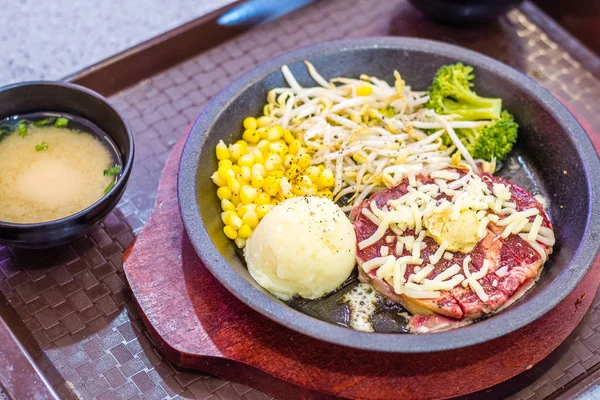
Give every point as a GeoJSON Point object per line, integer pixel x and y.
{"type": "Point", "coordinates": [71, 308]}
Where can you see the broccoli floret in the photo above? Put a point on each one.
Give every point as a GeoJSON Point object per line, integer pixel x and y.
{"type": "Point", "coordinates": [451, 93]}
{"type": "Point", "coordinates": [495, 140]}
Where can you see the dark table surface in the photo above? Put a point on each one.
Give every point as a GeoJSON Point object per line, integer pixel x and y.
{"type": "Point", "coordinates": [580, 18]}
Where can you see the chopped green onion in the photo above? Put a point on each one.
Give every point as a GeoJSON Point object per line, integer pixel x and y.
{"type": "Point", "coordinates": [44, 122]}
{"type": "Point", "coordinates": [41, 147]}
{"type": "Point", "coordinates": [112, 171]}
{"type": "Point", "coordinates": [61, 122]}
{"type": "Point", "coordinates": [22, 129]}
{"type": "Point", "coordinates": [109, 187]}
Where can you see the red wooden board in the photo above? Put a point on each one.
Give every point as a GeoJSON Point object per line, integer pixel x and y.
{"type": "Point", "coordinates": [198, 324]}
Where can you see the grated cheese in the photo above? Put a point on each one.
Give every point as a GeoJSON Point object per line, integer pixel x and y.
{"type": "Point", "coordinates": [399, 271]}
{"type": "Point", "coordinates": [384, 251]}
{"type": "Point", "coordinates": [387, 269]}
{"type": "Point", "coordinates": [420, 294]}
{"type": "Point", "coordinates": [376, 262]}
{"type": "Point", "coordinates": [536, 246]}
{"type": "Point", "coordinates": [399, 247]}
{"type": "Point", "coordinates": [370, 216]}
{"type": "Point", "coordinates": [443, 285]}
{"type": "Point", "coordinates": [438, 254]}
{"type": "Point", "coordinates": [471, 279]}
{"type": "Point", "coordinates": [422, 274]}
{"type": "Point", "coordinates": [454, 269]}
{"type": "Point", "coordinates": [535, 228]}
{"type": "Point", "coordinates": [444, 174]}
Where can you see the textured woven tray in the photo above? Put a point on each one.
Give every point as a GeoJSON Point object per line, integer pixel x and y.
{"type": "Point", "coordinates": [77, 318]}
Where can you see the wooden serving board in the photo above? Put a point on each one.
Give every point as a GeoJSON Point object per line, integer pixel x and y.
{"type": "Point", "coordinates": [198, 324]}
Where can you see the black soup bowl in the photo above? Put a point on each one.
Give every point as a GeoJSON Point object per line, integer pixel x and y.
{"type": "Point", "coordinates": [93, 111]}
{"type": "Point", "coordinates": [553, 157]}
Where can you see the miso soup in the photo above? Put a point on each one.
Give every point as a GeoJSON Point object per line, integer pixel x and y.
{"type": "Point", "coordinates": [52, 167]}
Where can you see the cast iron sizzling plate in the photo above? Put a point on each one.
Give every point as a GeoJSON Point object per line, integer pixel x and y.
{"type": "Point", "coordinates": [554, 156]}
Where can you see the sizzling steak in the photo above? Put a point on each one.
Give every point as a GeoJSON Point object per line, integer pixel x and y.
{"type": "Point", "coordinates": [480, 243]}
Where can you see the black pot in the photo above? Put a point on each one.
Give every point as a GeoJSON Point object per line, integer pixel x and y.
{"type": "Point", "coordinates": [33, 97]}
{"type": "Point", "coordinates": [551, 143]}
{"type": "Point", "coordinates": [463, 12]}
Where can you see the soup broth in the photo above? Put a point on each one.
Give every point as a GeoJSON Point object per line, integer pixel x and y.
{"type": "Point", "coordinates": [49, 172]}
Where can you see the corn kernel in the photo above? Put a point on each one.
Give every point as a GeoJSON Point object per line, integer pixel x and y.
{"type": "Point", "coordinates": [288, 136]}
{"type": "Point", "coordinates": [262, 133]}
{"type": "Point", "coordinates": [218, 181]}
{"type": "Point", "coordinates": [250, 123]}
{"type": "Point", "coordinates": [230, 232]}
{"type": "Point", "coordinates": [222, 151]}
{"type": "Point", "coordinates": [279, 147]}
{"type": "Point", "coordinates": [259, 169]}
{"type": "Point", "coordinates": [234, 185]}
{"type": "Point", "coordinates": [240, 243]}
{"type": "Point", "coordinates": [244, 208]}
{"type": "Point", "coordinates": [313, 173]}
{"type": "Point", "coordinates": [364, 90]}
{"type": "Point", "coordinates": [236, 169]}
{"type": "Point", "coordinates": [236, 151]}
{"type": "Point", "coordinates": [326, 179]}
{"type": "Point", "coordinates": [248, 194]}
{"type": "Point", "coordinates": [326, 193]}
{"type": "Point", "coordinates": [314, 189]}
{"type": "Point", "coordinates": [286, 186]}
{"type": "Point", "coordinates": [275, 133]}
{"type": "Point", "coordinates": [225, 173]}
{"type": "Point", "coordinates": [273, 162]}
{"type": "Point", "coordinates": [259, 158]}
{"type": "Point", "coordinates": [227, 205]}
{"type": "Point", "coordinates": [304, 180]}
{"type": "Point", "coordinates": [288, 160]}
{"type": "Point", "coordinates": [262, 210]}
{"type": "Point", "coordinates": [294, 146]}
{"type": "Point", "coordinates": [271, 185]}
{"type": "Point", "coordinates": [235, 221]}
{"type": "Point", "coordinates": [244, 232]}
{"type": "Point", "coordinates": [263, 199]}
{"type": "Point", "coordinates": [304, 161]}
{"type": "Point", "coordinates": [251, 136]}
{"type": "Point", "coordinates": [263, 121]}
{"type": "Point", "coordinates": [257, 181]}
{"type": "Point", "coordinates": [264, 146]}
{"type": "Point", "coordinates": [246, 173]}
{"type": "Point", "coordinates": [293, 171]}
{"type": "Point", "coordinates": [298, 190]}
{"type": "Point", "coordinates": [241, 180]}
{"type": "Point", "coordinates": [235, 199]}
{"type": "Point", "coordinates": [250, 219]}
{"type": "Point", "coordinates": [277, 173]}
{"type": "Point", "coordinates": [224, 192]}
{"type": "Point", "coordinates": [225, 163]}
{"type": "Point", "coordinates": [227, 215]}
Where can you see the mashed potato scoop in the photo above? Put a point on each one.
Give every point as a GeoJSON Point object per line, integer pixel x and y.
{"type": "Point", "coordinates": [304, 246]}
